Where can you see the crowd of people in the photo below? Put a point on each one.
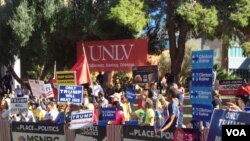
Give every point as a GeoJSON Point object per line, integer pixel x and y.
{"type": "Point", "coordinates": [153, 107]}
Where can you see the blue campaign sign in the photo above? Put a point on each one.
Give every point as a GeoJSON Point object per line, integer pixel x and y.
{"type": "Point", "coordinates": [202, 77]}
{"type": "Point", "coordinates": [109, 113]}
{"type": "Point", "coordinates": [202, 112]}
{"type": "Point", "coordinates": [200, 95]}
{"type": "Point", "coordinates": [225, 117]}
{"type": "Point", "coordinates": [131, 94]}
{"type": "Point", "coordinates": [72, 94]}
{"type": "Point", "coordinates": [202, 59]}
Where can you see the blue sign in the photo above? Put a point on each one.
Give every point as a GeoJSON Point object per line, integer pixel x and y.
{"type": "Point", "coordinates": [225, 117]}
{"type": "Point", "coordinates": [247, 109]}
{"type": "Point", "coordinates": [131, 95]}
{"type": "Point", "coordinates": [109, 113]}
{"type": "Point", "coordinates": [202, 77]}
{"type": "Point", "coordinates": [202, 59]}
{"type": "Point", "coordinates": [202, 112]}
{"type": "Point", "coordinates": [200, 95]}
{"type": "Point", "coordinates": [72, 94]}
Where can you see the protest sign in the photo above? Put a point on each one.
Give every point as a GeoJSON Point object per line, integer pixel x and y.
{"type": "Point", "coordinates": [145, 74]}
{"type": "Point", "coordinates": [144, 133]}
{"type": "Point", "coordinates": [80, 119]}
{"type": "Point", "coordinates": [71, 94]}
{"type": "Point", "coordinates": [229, 87]}
{"type": "Point", "coordinates": [48, 91]}
{"type": "Point", "coordinates": [109, 113]}
{"type": "Point", "coordinates": [131, 95]}
{"type": "Point", "coordinates": [200, 95]}
{"type": "Point", "coordinates": [225, 117]}
{"type": "Point", "coordinates": [202, 59]}
{"type": "Point", "coordinates": [66, 77]}
{"type": "Point", "coordinates": [27, 131]}
{"type": "Point", "coordinates": [37, 87]}
{"type": "Point", "coordinates": [94, 133]}
{"type": "Point", "coordinates": [18, 105]}
{"type": "Point", "coordinates": [202, 112]}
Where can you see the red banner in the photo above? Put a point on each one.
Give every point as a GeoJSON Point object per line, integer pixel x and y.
{"type": "Point", "coordinates": [115, 55]}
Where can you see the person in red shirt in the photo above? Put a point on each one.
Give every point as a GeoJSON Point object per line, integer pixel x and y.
{"type": "Point", "coordinates": [243, 89]}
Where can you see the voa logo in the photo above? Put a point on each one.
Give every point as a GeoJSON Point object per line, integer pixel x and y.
{"type": "Point", "coordinates": [236, 132]}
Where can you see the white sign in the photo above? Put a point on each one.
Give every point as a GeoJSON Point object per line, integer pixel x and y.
{"type": "Point", "coordinates": [37, 87]}
{"type": "Point", "coordinates": [80, 119]}
{"type": "Point", "coordinates": [48, 90]}
{"type": "Point", "coordinates": [18, 105]}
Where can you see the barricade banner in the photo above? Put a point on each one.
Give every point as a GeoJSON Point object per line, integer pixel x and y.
{"type": "Point", "coordinates": [145, 133]}
{"type": "Point", "coordinates": [80, 119]}
{"type": "Point", "coordinates": [37, 87]}
{"type": "Point", "coordinates": [71, 94]}
{"type": "Point", "coordinates": [48, 90]}
{"type": "Point", "coordinates": [145, 74]}
{"type": "Point", "coordinates": [94, 133]}
{"type": "Point", "coordinates": [225, 117]}
{"type": "Point", "coordinates": [25, 131]}
{"type": "Point", "coordinates": [186, 134]}
{"type": "Point", "coordinates": [18, 105]}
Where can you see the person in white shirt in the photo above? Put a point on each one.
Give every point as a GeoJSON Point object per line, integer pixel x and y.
{"type": "Point", "coordinates": [51, 113]}
{"type": "Point", "coordinates": [103, 102]}
{"type": "Point", "coordinates": [96, 89]}
{"type": "Point", "coordinates": [4, 110]}
{"type": "Point", "coordinates": [18, 91]}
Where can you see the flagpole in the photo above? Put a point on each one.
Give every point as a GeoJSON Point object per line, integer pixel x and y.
{"type": "Point", "coordinates": [85, 56]}
{"type": "Point", "coordinates": [54, 70]}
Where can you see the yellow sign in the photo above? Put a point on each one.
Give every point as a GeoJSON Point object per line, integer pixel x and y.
{"type": "Point", "coordinates": [66, 77]}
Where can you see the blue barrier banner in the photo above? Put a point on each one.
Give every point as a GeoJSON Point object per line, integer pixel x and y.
{"type": "Point", "coordinates": [109, 113]}
{"type": "Point", "coordinates": [202, 112]}
{"type": "Point", "coordinates": [145, 133]}
{"type": "Point", "coordinates": [94, 133]}
{"type": "Point", "coordinates": [202, 77]}
{"type": "Point", "coordinates": [202, 59]}
{"type": "Point", "coordinates": [131, 95]}
{"type": "Point", "coordinates": [200, 95]}
{"type": "Point", "coordinates": [225, 117]}
{"type": "Point", "coordinates": [72, 94]}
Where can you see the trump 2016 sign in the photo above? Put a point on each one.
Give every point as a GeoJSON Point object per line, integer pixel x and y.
{"type": "Point", "coordinates": [116, 55]}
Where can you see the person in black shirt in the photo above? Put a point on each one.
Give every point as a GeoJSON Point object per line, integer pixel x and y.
{"type": "Point", "coordinates": [7, 80]}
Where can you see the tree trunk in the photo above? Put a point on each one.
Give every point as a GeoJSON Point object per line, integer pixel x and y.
{"type": "Point", "coordinates": [13, 73]}
{"type": "Point", "coordinates": [171, 33]}
{"type": "Point", "coordinates": [224, 52]}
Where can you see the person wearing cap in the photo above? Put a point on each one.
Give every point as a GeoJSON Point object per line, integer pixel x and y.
{"type": "Point", "coordinates": [38, 113]}
{"type": "Point", "coordinates": [51, 113]}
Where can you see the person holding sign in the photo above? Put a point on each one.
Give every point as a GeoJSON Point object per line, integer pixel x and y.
{"type": "Point", "coordinates": [51, 113]}
{"type": "Point", "coordinates": [119, 115]}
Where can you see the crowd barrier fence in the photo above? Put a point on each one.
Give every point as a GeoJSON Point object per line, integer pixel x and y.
{"type": "Point", "coordinates": [113, 132]}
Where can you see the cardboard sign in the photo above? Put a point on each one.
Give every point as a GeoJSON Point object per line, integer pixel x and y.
{"type": "Point", "coordinates": [145, 74]}
{"type": "Point", "coordinates": [66, 77]}
{"type": "Point", "coordinates": [26, 131]}
{"type": "Point", "coordinates": [37, 87]}
{"type": "Point", "coordinates": [48, 91]}
{"type": "Point", "coordinates": [131, 95]}
{"type": "Point", "coordinates": [71, 94]}
{"type": "Point", "coordinates": [109, 113]}
{"type": "Point", "coordinates": [80, 119]}
{"type": "Point", "coordinates": [18, 105]}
